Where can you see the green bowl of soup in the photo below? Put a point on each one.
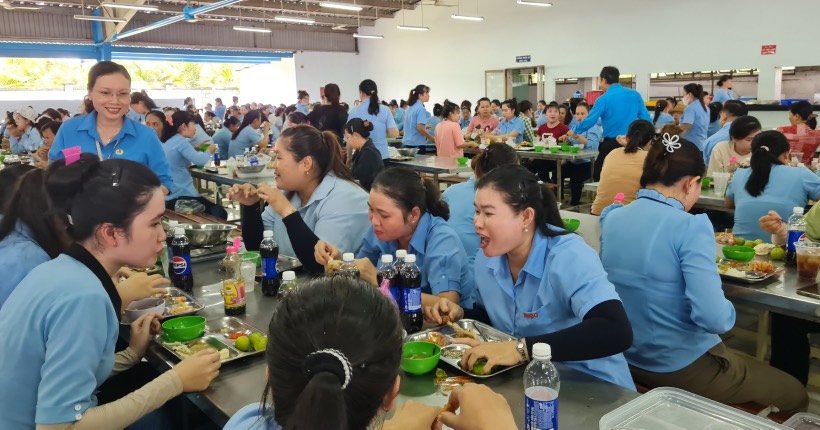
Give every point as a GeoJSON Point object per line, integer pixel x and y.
{"type": "Point", "coordinates": [418, 358]}
{"type": "Point", "coordinates": [571, 224]}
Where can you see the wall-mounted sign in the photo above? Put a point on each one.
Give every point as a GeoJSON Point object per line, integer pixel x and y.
{"type": "Point", "coordinates": [522, 59]}
{"type": "Point", "coordinates": [768, 49]}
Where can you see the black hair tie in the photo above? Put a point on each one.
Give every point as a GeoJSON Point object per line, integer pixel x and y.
{"type": "Point", "coordinates": [331, 361]}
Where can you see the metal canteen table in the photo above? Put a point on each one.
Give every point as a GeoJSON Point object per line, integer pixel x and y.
{"type": "Point", "coordinates": [433, 165]}
{"type": "Point", "coordinates": [709, 199]}
{"type": "Point", "coordinates": [584, 399]}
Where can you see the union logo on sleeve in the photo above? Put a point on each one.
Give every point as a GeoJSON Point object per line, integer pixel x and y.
{"type": "Point", "coordinates": [530, 315]}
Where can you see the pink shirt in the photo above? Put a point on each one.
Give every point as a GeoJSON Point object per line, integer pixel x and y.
{"type": "Point", "coordinates": [448, 138]}
{"type": "Point", "coordinates": [490, 124]}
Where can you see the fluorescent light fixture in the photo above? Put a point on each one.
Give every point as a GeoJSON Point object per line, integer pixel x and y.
{"type": "Point", "coordinates": [98, 18]}
{"type": "Point", "coordinates": [342, 6]}
{"type": "Point", "coordinates": [534, 3]}
{"type": "Point", "coordinates": [141, 7]}
{"type": "Point", "coordinates": [253, 29]}
{"type": "Point", "coordinates": [367, 36]}
{"type": "Point", "coordinates": [295, 19]}
{"type": "Point", "coordinates": [467, 17]}
{"type": "Point", "coordinates": [412, 27]}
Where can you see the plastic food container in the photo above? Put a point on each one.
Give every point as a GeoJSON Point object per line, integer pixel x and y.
{"type": "Point", "coordinates": [803, 421]}
{"type": "Point", "coordinates": [674, 409]}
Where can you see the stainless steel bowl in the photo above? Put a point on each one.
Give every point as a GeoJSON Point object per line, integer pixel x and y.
{"type": "Point", "coordinates": [408, 152]}
{"type": "Point", "coordinates": [208, 234]}
{"type": "Point", "coordinates": [251, 169]}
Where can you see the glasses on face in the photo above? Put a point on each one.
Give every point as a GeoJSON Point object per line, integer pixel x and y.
{"type": "Point", "coordinates": [117, 96]}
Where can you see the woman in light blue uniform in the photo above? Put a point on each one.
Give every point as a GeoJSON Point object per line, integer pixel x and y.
{"type": "Point", "coordinates": [695, 120]}
{"type": "Point", "coordinates": [662, 115]}
{"type": "Point", "coordinates": [434, 120]}
{"type": "Point", "coordinates": [181, 155]}
{"type": "Point", "coordinates": [200, 135]}
{"type": "Point", "coordinates": [247, 135]}
{"type": "Point", "coordinates": [317, 199]}
{"type": "Point", "coordinates": [398, 113]}
{"type": "Point", "coordinates": [222, 137]}
{"type": "Point", "coordinates": [539, 283]}
{"type": "Point", "coordinates": [370, 109]}
{"type": "Point", "coordinates": [415, 122]}
{"type": "Point", "coordinates": [30, 139]}
{"type": "Point", "coordinates": [580, 170]}
{"type": "Point", "coordinates": [769, 184]}
{"type": "Point", "coordinates": [408, 214]}
{"type": "Point", "coordinates": [303, 102]}
{"type": "Point", "coordinates": [662, 262]}
{"type": "Point", "coordinates": [724, 91]}
{"type": "Point", "coordinates": [112, 211]}
{"type": "Point", "coordinates": [141, 104]}
{"type": "Point", "coordinates": [540, 115]}
{"type": "Point", "coordinates": [460, 197]}
{"type": "Point", "coordinates": [105, 131]}
{"type": "Point", "coordinates": [511, 125]}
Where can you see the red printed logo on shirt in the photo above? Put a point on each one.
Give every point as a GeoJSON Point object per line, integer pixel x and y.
{"type": "Point", "coordinates": [530, 315]}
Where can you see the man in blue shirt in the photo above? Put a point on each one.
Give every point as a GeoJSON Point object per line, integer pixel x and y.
{"type": "Point", "coordinates": [617, 108]}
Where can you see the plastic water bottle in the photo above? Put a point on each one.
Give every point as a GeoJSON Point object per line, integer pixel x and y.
{"type": "Point", "coordinates": [289, 284]}
{"type": "Point", "coordinates": [233, 287]}
{"type": "Point", "coordinates": [269, 252]}
{"type": "Point", "coordinates": [577, 95]}
{"type": "Point", "coordinates": [797, 226]}
{"type": "Point", "coordinates": [348, 268]}
{"type": "Point", "coordinates": [410, 295]}
{"type": "Point", "coordinates": [169, 238]}
{"type": "Point", "coordinates": [541, 386]}
{"type": "Point", "coordinates": [183, 277]}
{"type": "Point", "coordinates": [387, 277]}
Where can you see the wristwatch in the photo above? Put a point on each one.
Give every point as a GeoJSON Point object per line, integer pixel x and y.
{"type": "Point", "coordinates": [521, 346]}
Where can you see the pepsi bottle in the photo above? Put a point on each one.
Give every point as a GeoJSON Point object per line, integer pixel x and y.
{"type": "Point", "coordinates": [172, 226]}
{"type": "Point", "coordinates": [217, 161]}
{"type": "Point", "coordinates": [269, 252]}
{"type": "Point", "coordinates": [410, 304]}
{"type": "Point", "coordinates": [183, 277]}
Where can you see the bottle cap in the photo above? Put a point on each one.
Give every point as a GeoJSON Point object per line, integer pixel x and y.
{"type": "Point", "coordinates": [172, 224]}
{"type": "Point", "coordinates": [411, 258]}
{"type": "Point", "coordinates": [267, 233]}
{"type": "Point", "coordinates": [401, 253]}
{"type": "Point", "coordinates": [231, 250]}
{"type": "Point", "coordinates": [387, 258]}
{"type": "Point", "coordinates": [541, 351]}
{"type": "Point", "coordinates": [797, 210]}
{"type": "Point", "coordinates": [289, 276]}
{"type": "Point", "coordinates": [619, 197]}
{"type": "Point", "coordinates": [179, 231]}
{"type": "Point", "coordinates": [347, 257]}
{"type": "Point", "coordinates": [237, 242]}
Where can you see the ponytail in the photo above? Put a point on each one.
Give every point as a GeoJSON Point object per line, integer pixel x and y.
{"type": "Point", "coordinates": [660, 106]}
{"type": "Point", "coordinates": [806, 112]}
{"type": "Point", "coordinates": [640, 133]}
{"type": "Point", "coordinates": [409, 191]}
{"type": "Point", "coordinates": [767, 147]}
{"type": "Point", "coordinates": [432, 197]}
{"type": "Point", "coordinates": [697, 91]}
{"type": "Point", "coordinates": [494, 155]}
{"type": "Point", "coordinates": [358, 125]}
{"type": "Point", "coordinates": [323, 147]}
{"type": "Point", "coordinates": [322, 393]}
{"type": "Point", "coordinates": [416, 92]}
{"type": "Point", "coordinates": [369, 88]}
{"type": "Point", "coordinates": [30, 205]}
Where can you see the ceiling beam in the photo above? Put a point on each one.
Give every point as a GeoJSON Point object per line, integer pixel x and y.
{"type": "Point", "coordinates": [274, 7]}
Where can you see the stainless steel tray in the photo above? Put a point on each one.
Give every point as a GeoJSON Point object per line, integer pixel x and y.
{"type": "Point", "coordinates": [216, 335]}
{"type": "Point", "coordinates": [171, 303]}
{"type": "Point", "coordinates": [751, 277]}
{"type": "Point", "coordinates": [483, 333]}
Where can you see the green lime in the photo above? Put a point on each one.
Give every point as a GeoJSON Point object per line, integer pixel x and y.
{"type": "Point", "coordinates": [260, 344]}
{"type": "Point", "coordinates": [242, 343]}
{"type": "Point", "coordinates": [255, 335]}
{"type": "Point", "coordinates": [758, 241]}
{"type": "Point", "coordinates": [750, 244]}
{"type": "Point", "coordinates": [739, 241]}
{"type": "Point", "coordinates": [778, 253]}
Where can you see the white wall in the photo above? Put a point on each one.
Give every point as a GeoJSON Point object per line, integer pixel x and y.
{"type": "Point", "coordinates": [272, 83]}
{"type": "Point", "coordinates": [575, 38]}
{"type": "Point", "coordinates": [317, 69]}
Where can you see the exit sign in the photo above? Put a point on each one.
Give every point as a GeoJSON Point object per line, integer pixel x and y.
{"type": "Point", "coordinates": [768, 49]}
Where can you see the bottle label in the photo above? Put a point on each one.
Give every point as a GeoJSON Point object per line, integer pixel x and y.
{"type": "Point", "coordinates": [182, 265]}
{"type": "Point", "coordinates": [541, 409]}
{"type": "Point", "coordinates": [233, 292]}
{"type": "Point", "coordinates": [794, 236]}
{"type": "Point", "coordinates": [411, 299]}
{"type": "Point", "coordinates": [269, 268]}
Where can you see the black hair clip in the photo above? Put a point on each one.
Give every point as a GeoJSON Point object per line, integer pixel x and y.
{"type": "Point", "coordinates": [522, 189]}
{"type": "Point", "coordinates": [115, 177]}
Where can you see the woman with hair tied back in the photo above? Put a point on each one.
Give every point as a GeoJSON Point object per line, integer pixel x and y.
{"type": "Point", "coordinates": [415, 121]}
{"type": "Point", "coordinates": [769, 184]}
{"type": "Point", "coordinates": [141, 104]}
{"type": "Point", "coordinates": [695, 120]}
{"type": "Point", "coordinates": [724, 92]}
{"type": "Point", "coordinates": [662, 115]}
{"type": "Point", "coordinates": [406, 212]}
{"type": "Point", "coordinates": [367, 160]}
{"type": "Point", "coordinates": [330, 116]}
{"type": "Point", "coordinates": [112, 212]}
{"type": "Point", "coordinates": [381, 119]}
{"type": "Point", "coordinates": [677, 306]}
{"type": "Point", "coordinates": [317, 198]}
{"type": "Point", "coordinates": [325, 379]}
{"type": "Point", "coordinates": [803, 121]}
{"type": "Point", "coordinates": [449, 138]}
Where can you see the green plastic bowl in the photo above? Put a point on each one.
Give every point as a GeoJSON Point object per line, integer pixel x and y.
{"type": "Point", "coordinates": [183, 329]}
{"type": "Point", "coordinates": [740, 253]}
{"type": "Point", "coordinates": [705, 183]}
{"type": "Point", "coordinates": [571, 224]}
{"type": "Point", "coordinates": [538, 149]}
{"type": "Point", "coordinates": [462, 161]}
{"type": "Point", "coordinates": [574, 149]}
{"type": "Point", "coordinates": [204, 146]}
{"type": "Point", "coordinates": [252, 256]}
{"type": "Point", "coordinates": [419, 366]}
{"type": "Point", "coordinates": [554, 149]}
{"type": "Point", "coordinates": [565, 148]}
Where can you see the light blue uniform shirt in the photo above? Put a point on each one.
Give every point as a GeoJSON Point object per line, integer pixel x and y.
{"type": "Point", "coordinates": [381, 123]}
{"type": "Point", "coordinates": [721, 135]}
{"type": "Point", "coordinates": [336, 213]}
{"type": "Point", "coordinates": [21, 253]}
{"type": "Point", "coordinates": [593, 136]}
{"type": "Point", "coordinates": [135, 116]}
{"type": "Point", "coordinates": [499, 114]}
{"type": "Point", "coordinates": [302, 107]}
{"type": "Point", "coordinates": [50, 375]}
{"type": "Point", "coordinates": [460, 198]}
{"type": "Point", "coordinates": [180, 155]}
{"type": "Point", "coordinates": [416, 114]}
{"type": "Point", "coordinates": [246, 139]}
{"type": "Point", "coordinates": [560, 282]}
{"type": "Point", "coordinates": [134, 142]}
{"type": "Point", "coordinates": [433, 121]}
{"type": "Point", "coordinates": [662, 262]}
{"type": "Point", "coordinates": [249, 418]}
{"type": "Point", "coordinates": [29, 141]}
{"type": "Point", "coordinates": [699, 118]}
{"type": "Point", "coordinates": [722, 95]}
{"type": "Point", "coordinates": [713, 128]}
{"type": "Point", "coordinates": [507, 127]}
{"type": "Point", "coordinates": [398, 117]}
{"type": "Point", "coordinates": [200, 137]}
{"type": "Point", "coordinates": [541, 119]}
{"type": "Point", "coordinates": [788, 188]}
{"type": "Point", "coordinates": [219, 112]}
{"type": "Point", "coordinates": [463, 123]}
{"type": "Point", "coordinates": [439, 255]}
{"type": "Point", "coordinates": [663, 119]}
{"type": "Point", "coordinates": [617, 108]}
{"type": "Point", "coordinates": [222, 139]}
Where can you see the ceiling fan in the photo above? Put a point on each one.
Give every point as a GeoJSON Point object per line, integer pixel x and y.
{"type": "Point", "coordinates": [8, 6]}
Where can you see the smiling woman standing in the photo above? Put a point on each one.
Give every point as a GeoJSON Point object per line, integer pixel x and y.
{"type": "Point", "coordinates": [106, 131]}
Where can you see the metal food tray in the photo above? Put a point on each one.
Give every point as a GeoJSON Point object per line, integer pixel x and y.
{"type": "Point", "coordinates": [749, 278]}
{"type": "Point", "coordinates": [483, 333]}
{"type": "Point", "coordinates": [216, 335]}
{"type": "Point", "coordinates": [169, 301]}
{"type": "Point", "coordinates": [803, 421]}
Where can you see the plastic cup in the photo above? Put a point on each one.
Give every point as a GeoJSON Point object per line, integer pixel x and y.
{"type": "Point", "coordinates": [248, 271]}
{"type": "Point", "coordinates": [721, 181]}
{"type": "Point", "coordinates": [808, 259]}
{"type": "Point", "coordinates": [797, 158]}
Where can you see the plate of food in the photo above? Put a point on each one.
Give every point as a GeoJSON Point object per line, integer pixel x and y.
{"type": "Point", "coordinates": [232, 337]}
{"type": "Point", "coordinates": [748, 272]}
{"type": "Point", "coordinates": [524, 146]}
{"type": "Point", "coordinates": [177, 303]}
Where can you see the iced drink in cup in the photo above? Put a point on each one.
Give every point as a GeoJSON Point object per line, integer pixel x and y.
{"type": "Point", "coordinates": [721, 181]}
{"type": "Point", "coordinates": [808, 259]}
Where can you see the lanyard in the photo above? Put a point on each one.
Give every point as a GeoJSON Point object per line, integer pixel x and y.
{"type": "Point", "coordinates": [99, 149]}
